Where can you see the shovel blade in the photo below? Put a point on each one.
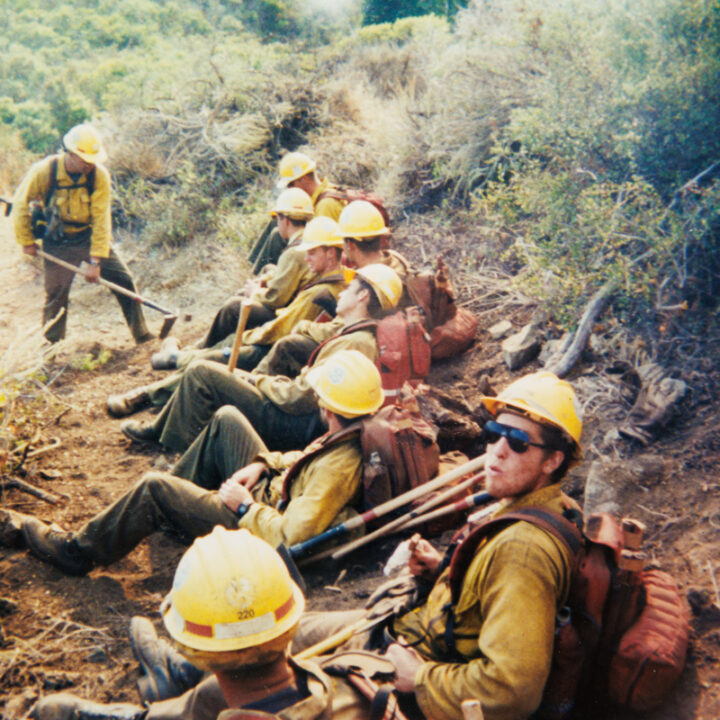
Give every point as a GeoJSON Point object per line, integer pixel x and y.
{"type": "Point", "coordinates": [168, 322]}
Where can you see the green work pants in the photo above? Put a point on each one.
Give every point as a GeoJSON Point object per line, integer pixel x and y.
{"type": "Point", "coordinates": [225, 321]}
{"type": "Point", "coordinates": [161, 391]}
{"type": "Point", "coordinates": [207, 386]}
{"type": "Point", "coordinates": [58, 281]}
{"type": "Point", "coordinates": [164, 500]}
{"type": "Point", "coordinates": [288, 356]}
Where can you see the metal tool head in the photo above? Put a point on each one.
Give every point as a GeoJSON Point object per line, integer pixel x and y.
{"type": "Point", "coordinates": [168, 322]}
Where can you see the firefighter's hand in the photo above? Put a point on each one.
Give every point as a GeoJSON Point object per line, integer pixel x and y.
{"type": "Point", "coordinates": [406, 662]}
{"type": "Point", "coordinates": [30, 250]}
{"type": "Point", "coordinates": [250, 287]}
{"type": "Point", "coordinates": [92, 272]}
{"type": "Point", "coordinates": [234, 494]}
{"type": "Point", "coordinates": [249, 475]}
{"type": "Point", "coordinates": [424, 558]}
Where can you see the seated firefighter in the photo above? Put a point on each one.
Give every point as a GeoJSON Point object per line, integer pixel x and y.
{"type": "Point", "coordinates": [321, 254]}
{"type": "Point", "coordinates": [296, 170]}
{"type": "Point", "coordinates": [283, 498]}
{"type": "Point", "coordinates": [273, 289]}
{"type": "Point", "coordinates": [241, 637]}
{"type": "Point", "coordinates": [492, 638]}
{"type": "Point", "coordinates": [363, 229]}
{"type": "Point", "coordinates": [283, 411]}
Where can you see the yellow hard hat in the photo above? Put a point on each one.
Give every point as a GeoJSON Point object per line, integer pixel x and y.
{"type": "Point", "coordinates": [232, 592]}
{"type": "Point", "coordinates": [293, 166]}
{"type": "Point", "coordinates": [320, 232]}
{"type": "Point", "coordinates": [382, 279]}
{"type": "Point", "coordinates": [295, 203]}
{"type": "Point", "coordinates": [361, 219]}
{"type": "Point", "coordinates": [84, 141]}
{"type": "Point", "coordinates": [348, 384]}
{"type": "Point", "coordinates": [545, 398]}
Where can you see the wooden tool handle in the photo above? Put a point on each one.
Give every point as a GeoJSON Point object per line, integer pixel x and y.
{"type": "Point", "coordinates": [472, 710]}
{"type": "Point", "coordinates": [242, 322]}
{"type": "Point", "coordinates": [398, 522]}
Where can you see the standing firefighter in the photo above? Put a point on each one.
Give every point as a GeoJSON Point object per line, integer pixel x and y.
{"type": "Point", "coordinates": [65, 201]}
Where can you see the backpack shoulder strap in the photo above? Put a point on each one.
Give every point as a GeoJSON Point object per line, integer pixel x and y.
{"type": "Point", "coordinates": [329, 440]}
{"type": "Point", "coordinates": [362, 325]}
{"type": "Point", "coordinates": [464, 548]}
{"type": "Point", "coordinates": [326, 280]}
{"type": "Point", "coordinates": [53, 181]}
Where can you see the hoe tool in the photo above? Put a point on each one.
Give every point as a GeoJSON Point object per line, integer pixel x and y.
{"type": "Point", "coordinates": [169, 317]}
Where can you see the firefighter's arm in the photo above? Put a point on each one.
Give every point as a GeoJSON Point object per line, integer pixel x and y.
{"type": "Point", "coordinates": [515, 599]}
{"type": "Point", "coordinates": [100, 215]}
{"type": "Point", "coordinates": [326, 485]}
{"type": "Point", "coordinates": [33, 187]}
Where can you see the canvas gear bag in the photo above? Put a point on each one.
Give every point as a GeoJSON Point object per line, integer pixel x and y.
{"type": "Point", "coordinates": [454, 336]}
{"type": "Point", "coordinates": [403, 349]}
{"type": "Point", "coordinates": [399, 452]}
{"type": "Point", "coordinates": [452, 329]}
{"type": "Point", "coordinates": [623, 635]}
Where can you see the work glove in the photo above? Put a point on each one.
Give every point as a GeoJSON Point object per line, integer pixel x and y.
{"type": "Point", "coordinates": [654, 406]}
{"type": "Point", "coordinates": [396, 596]}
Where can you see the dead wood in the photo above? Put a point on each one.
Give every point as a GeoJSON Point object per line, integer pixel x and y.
{"type": "Point", "coordinates": [562, 363]}
{"type": "Point", "coordinates": [13, 483]}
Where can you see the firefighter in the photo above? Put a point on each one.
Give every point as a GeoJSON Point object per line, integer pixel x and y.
{"type": "Point", "coordinates": [282, 497]}
{"type": "Point", "coordinates": [233, 610]}
{"type": "Point", "coordinates": [65, 200]}
{"type": "Point", "coordinates": [282, 410]}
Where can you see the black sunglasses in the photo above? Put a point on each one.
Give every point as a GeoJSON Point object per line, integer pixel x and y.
{"type": "Point", "coordinates": [518, 440]}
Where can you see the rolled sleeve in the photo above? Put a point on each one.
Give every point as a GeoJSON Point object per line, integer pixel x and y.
{"type": "Point", "coordinates": [100, 214]}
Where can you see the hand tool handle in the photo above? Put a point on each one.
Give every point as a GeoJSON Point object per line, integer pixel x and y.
{"type": "Point", "coordinates": [242, 322]}
{"type": "Point", "coordinates": [106, 283]}
{"type": "Point", "coordinates": [392, 504]}
{"type": "Point", "coordinates": [398, 522]}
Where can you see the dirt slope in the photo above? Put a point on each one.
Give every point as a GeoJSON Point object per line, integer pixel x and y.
{"type": "Point", "coordinates": [60, 632]}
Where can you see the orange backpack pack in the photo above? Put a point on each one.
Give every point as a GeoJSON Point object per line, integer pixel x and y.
{"type": "Point", "coordinates": [452, 329]}
{"type": "Point", "coordinates": [622, 638]}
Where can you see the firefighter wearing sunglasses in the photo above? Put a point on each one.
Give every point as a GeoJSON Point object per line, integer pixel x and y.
{"type": "Point", "coordinates": [493, 640]}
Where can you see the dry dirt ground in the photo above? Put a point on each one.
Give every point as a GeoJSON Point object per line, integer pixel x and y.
{"type": "Point", "coordinates": [71, 633]}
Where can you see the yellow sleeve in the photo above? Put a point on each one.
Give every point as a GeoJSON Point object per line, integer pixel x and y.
{"type": "Point", "coordinates": [295, 396]}
{"type": "Point", "coordinates": [329, 207]}
{"type": "Point", "coordinates": [34, 186]}
{"type": "Point", "coordinates": [290, 274]}
{"type": "Point", "coordinates": [301, 308]}
{"type": "Point", "coordinates": [100, 214]}
{"type": "Point", "coordinates": [517, 596]}
{"type": "Point", "coordinates": [323, 488]}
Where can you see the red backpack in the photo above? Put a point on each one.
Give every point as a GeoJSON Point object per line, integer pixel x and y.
{"type": "Point", "coordinates": [623, 635]}
{"type": "Point", "coordinates": [399, 451]}
{"type": "Point", "coordinates": [403, 350]}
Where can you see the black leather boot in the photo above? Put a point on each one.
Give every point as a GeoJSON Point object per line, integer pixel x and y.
{"type": "Point", "coordinates": [166, 672]}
